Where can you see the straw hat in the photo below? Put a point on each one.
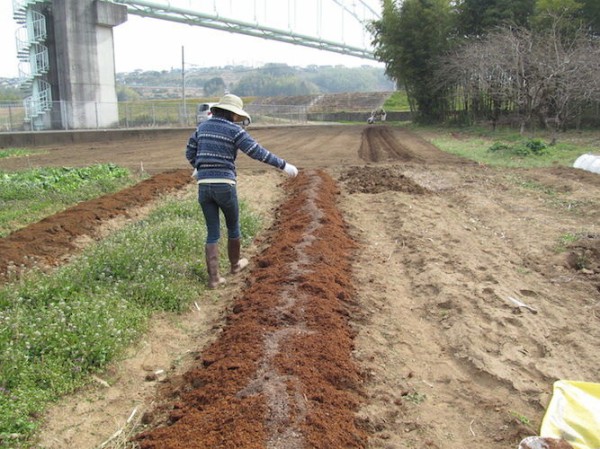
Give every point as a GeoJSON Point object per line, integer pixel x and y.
{"type": "Point", "coordinates": [232, 103]}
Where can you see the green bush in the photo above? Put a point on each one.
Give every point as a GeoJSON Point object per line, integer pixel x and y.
{"type": "Point", "coordinates": [530, 147]}
{"type": "Point", "coordinates": [536, 146]}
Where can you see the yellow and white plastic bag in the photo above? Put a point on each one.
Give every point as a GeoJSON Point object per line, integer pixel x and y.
{"type": "Point", "coordinates": [574, 414]}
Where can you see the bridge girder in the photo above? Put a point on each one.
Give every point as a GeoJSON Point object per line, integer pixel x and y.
{"type": "Point", "coordinates": [190, 17]}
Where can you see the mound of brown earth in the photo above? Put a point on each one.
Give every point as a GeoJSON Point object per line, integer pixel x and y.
{"type": "Point", "coordinates": [368, 179]}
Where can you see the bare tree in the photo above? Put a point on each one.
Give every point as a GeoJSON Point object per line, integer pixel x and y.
{"type": "Point", "coordinates": [547, 76]}
{"type": "Point", "coordinates": [568, 68]}
{"type": "Point", "coordinates": [492, 75]}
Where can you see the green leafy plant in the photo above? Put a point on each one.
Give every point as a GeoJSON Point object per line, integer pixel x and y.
{"type": "Point", "coordinates": [57, 179]}
{"type": "Point", "coordinates": [522, 418]}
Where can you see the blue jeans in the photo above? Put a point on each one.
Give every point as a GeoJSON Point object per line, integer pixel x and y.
{"type": "Point", "coordinates": [215, 197]}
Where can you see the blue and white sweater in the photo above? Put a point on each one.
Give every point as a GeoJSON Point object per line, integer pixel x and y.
{"type": "Point", "coordinates": [213, 147]}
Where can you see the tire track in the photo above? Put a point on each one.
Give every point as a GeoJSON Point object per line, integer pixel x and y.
{"type": "Point", "coordinates": [378, 144]}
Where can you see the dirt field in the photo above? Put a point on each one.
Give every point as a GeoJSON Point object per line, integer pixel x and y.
{"type": "Point", "coordinates": [378, 310]}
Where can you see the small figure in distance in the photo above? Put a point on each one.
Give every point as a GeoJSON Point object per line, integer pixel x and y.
{"type": "Point", "coordinates": [378, 114]}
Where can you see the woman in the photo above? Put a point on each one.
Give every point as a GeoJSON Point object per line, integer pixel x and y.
{"type": "Point", "coordinates": [212, 150]}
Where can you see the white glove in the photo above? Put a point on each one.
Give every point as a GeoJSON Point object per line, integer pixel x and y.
{"type": "Point", "coordinates": [290, 170]}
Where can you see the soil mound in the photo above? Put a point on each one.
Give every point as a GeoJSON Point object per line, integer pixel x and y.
{"type": "Point", "coordinates": [281, 374]}
{"type": "Point", "coordinates": [379, 179]}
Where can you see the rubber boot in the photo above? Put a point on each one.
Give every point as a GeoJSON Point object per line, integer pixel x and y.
{"type": "Point", "coordinates": [233, 251]}
{"type": "Point", "coordinates": [212, 265]}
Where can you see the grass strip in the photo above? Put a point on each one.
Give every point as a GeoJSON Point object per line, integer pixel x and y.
{"type": "Point", "coordinates": [16, 152]}
{"type": "Point", "coordinates": [57, 329]}
{"type": "Point", "coordinates": [507, 148]}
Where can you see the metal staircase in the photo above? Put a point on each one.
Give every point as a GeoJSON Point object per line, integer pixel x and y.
{"type": "Point", "coordinates": [34, 61]}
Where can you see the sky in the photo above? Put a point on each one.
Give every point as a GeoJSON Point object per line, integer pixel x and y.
{"type": "Point", "coordinates": [152, 44]}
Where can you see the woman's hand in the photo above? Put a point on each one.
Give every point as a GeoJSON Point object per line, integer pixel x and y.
{"type": "Point", "coordinates": [290, 170]}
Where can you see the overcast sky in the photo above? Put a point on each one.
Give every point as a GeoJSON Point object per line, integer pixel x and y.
{"type": "Point", "coordinates": [151, 44]}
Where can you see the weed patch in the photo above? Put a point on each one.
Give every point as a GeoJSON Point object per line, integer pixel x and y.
{"type": "Point", "coordinates": [564, 241]}
{"type": "Point", "coordinates": [531, 147]}
{"type": "Point", "coordinates": [507, 148]}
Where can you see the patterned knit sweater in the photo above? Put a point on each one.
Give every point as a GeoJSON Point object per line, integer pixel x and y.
{"type": "Point", "coordinates": [213, 147]}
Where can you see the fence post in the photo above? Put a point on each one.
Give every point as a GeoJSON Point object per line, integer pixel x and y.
{"type": "Point", "coordinates": [10, 118]}
{"type": "Point", "coordinates": [64, 113]}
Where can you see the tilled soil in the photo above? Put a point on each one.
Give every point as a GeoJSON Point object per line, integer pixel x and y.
{"type": "Point", "coordinates": [378, 310]}
{"type": "Point", "coordinates": [281, 373]}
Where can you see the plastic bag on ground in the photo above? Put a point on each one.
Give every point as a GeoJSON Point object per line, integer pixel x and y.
{"type": "Point", "coordinates": [574, 414]}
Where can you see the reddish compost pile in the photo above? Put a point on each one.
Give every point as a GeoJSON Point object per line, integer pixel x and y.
{"type": "Point", "coordinates": [281, 374]}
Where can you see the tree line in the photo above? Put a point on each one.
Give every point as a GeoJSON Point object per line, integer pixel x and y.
{"type": "Point", "coordinates": [531, 62]}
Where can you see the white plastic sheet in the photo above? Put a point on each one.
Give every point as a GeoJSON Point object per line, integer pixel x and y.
{"type": "Point", "coordinates": [589, 162]}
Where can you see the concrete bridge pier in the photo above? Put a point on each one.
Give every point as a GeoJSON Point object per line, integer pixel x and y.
{"type": "Point", "coordinates": [82, 63]}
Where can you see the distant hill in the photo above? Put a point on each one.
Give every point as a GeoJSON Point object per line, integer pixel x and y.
{"type": "Point", "coordinates": [269, 80]}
